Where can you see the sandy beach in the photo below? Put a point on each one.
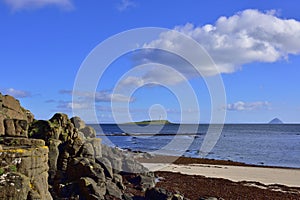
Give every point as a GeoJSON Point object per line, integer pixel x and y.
{"type": "Point", "coordinates": [264, 175]}
{"type": "Point", "coordinates": [223, 179]}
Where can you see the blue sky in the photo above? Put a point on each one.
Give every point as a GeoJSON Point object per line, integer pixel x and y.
{"type": "Point", "coordinates": [255, 45]}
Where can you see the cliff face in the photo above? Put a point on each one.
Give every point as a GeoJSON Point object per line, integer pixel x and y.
{"type": "Point", "coordinates": [10, 108]}
{"type": "Point", "coordinates": [24, 161]}
{"type": "Point", "coordinates": [60, 158]}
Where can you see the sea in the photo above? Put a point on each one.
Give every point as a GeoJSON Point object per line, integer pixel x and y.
{"type": "Point", "coordinates": [259, 144]}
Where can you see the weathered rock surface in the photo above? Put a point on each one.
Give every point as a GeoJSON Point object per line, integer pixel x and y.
{"type": "Point", "coordinates": [60, 155]}
{"type": "Point", "coordinates": [24, 168]}
{"type": "Point", "coordinates": [79, 165]}
{"type": "Point", "coordinates": [10, 108]}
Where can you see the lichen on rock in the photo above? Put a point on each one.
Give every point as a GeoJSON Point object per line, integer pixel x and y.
{"type": "Point", "coordinates": [59, 158]}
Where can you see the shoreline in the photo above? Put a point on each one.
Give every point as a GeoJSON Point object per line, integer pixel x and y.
{"type": "Point", "coordinates": [198, 177]}
{"type": "Point", "coordinates": [183, 160]}
{"type": "Point", "coordinates": [230, 170]}
{"type": "Point", "coordinates": [266, 176]}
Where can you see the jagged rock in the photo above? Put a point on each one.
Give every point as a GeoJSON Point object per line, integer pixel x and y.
{"type": "Point", "coordinates": [115, 158]}
{"type": "Point", "coordinates": [63, 127]}
{"type": "Point", "coordinates": [118, 180]}
{"type": "Point", "coordinates": [79, 166]}
{"type": "Point", "coordinates": [88, 131]}
{"type": "Point", "coordinates": [14, 185]}
{"type": "Point", "coordinates": [116, 164]}
{"type": "Point", "coordinates": [79, 135]}
{"type": "Point", "coordinates": [29, 162]}
{"type": "Point", "coordinates": [113, 190]}
{"type": "Point", "coordinates": [78, 123]}
{"type": "Point", "coordinates": [162, 194]}
{"type": "Point", "coordinates": [106, 165]}
{"type": "Point", "coordinates": [147, 180]}
{"type": "Point", "coordinates": [60, 119]}
{"type": "Point", "coordinates": [10, 108]}
{"type": "Point", "coordinates": [157, 194]}
{"type": "Point", "coordinates": [132, 166]}
{"type": "Point", "coordinates": [87, 151]}
{"type": "Point", "coordinates": [15, 127]}
{"type": "Point", "coordinates": [42, 129]}
{"type": "Point", "coordinates": [90, 190]}
{"type": "Point", "coordinates": [96, 143]}
{"type": "Point", "coordinates": [84, 167]}
{"type": "Point", "coordinates": [74, 146]}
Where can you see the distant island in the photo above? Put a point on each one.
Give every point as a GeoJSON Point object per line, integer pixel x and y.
{"type": "Point", "coordinates": [147, 122]}
{"type": "Point", "coordinates": [275, 121]}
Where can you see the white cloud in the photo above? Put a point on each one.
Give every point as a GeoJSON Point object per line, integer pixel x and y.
{"type": "Point", "coordinates": [17, 93]}
{"type": "Point", "coordinates": [100, 96]}
{"type": "Point", "coordinates": [125, 4]}
{"type": "Point", "coordinates": [76, 105]}
{"type": "Point", "coordinates": [248, 106]}
{"type": "Point", "coordinates": [152, 76]}
{"type": "Point", "coordinates": [29, 4]}
{"type": "Point", "coordinates": [107, 97]}
{"type": "Point", "coordinates": [246, 37]}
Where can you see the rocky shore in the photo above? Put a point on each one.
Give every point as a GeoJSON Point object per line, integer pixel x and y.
{"type": "Point", "coordinates": [61, 158]}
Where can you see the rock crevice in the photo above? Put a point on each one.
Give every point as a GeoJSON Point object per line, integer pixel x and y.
{"type": "Point", "coordinates": [60, 158]}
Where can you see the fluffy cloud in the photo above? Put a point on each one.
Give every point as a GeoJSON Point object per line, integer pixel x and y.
{"type": "Point", "coordinates": [154, 75]}
{"type": "Point", "coordinates": [247, 106]}
{"type": "Point", "coordinates": [25, 4]}
{"type": "Point", "coordinates": [17, 93]}
{"type": "Point", "coordinates": [246, 37]}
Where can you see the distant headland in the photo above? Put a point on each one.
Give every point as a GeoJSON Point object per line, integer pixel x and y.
{"type": "Point", "coordinates": [148, 122]}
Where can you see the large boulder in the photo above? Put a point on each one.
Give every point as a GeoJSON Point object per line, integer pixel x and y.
{"type": "Point", "coordinates": [14, 185]}
{"type": "Point", "coordinates": [16, 127]}
{"type": "Point", "coordinates": [113, 190]}
{"type": "Point", "coordinates": [10, 108]}
{"type": "Point", "coordinates": [162, 194]}
{"type": "Point", "coordinates": [29, 159]}
{"type": "Point", "coordinates": [88, 132]}
{"type": "Point", "coordinates": [84, 167]}
{"type": "Point", "coordinates": [78, 123]}
{"type": "Point", "coordinates": [89, 189]}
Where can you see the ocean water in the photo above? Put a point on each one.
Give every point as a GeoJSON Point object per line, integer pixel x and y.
{"type": "Point", "coordinates": [260, 144]}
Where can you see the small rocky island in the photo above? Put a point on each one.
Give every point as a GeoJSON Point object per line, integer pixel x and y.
{"type": "Point", "coordinates": [61, 158]}
{"type": "Point", "coordinates": [275, 121]}
{"type": "Point", "coordinates": [151, 122]}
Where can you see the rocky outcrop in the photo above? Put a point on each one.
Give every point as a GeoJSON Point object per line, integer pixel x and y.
{"type": "Point", "coordinates": [79, 165]}
{"type": "Point", "coordinates": [10, 108]}
{"type": "Point", "coordinates": [24, 161]}
{"type": "Point", "coordinates": [23, 169]}
{"type": "Point", "coordinates": [61, 158]}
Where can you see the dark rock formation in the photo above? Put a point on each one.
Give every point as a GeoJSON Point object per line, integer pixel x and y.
{"type": "Point", "coordinates": [162, 194]}
{"type": "Point", "coordinates": [60, 155]}
{"type": "Point", "coordinates": [24, 161]}
{"type": "Point", "coordinates": [10, 108]}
